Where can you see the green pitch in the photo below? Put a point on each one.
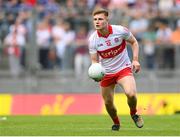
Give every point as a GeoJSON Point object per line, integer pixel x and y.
{"type": "Point", "coordinates": [88, 125]}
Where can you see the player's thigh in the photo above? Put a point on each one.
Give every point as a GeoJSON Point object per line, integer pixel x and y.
{"type": "Point", "coordinates": [108, 93]}
{"type": "Point", "coordinates": [128, 83]}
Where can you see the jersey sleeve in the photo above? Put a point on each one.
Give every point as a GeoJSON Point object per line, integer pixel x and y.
{"type": "Point", "coordinates": [124, 32]}
{"type": "Point", "coordinates": [92, 45]}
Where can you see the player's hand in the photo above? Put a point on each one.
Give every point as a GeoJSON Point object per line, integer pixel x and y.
{"type": "Point", "coordinates": [136, 66]}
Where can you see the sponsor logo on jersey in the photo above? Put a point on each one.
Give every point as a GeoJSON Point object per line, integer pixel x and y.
{"type": "Point", "coordinates": [112, 52]}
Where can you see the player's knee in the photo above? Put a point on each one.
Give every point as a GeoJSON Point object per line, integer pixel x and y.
{"type": "Point", "coordinates": [131, 94]}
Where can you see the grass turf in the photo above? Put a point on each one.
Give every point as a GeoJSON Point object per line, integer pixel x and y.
{"type": "Point", "coordinates": [87, 125]}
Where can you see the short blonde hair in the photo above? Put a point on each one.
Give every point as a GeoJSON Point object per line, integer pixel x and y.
{"type": "Point", "coordinates": [98, 10]}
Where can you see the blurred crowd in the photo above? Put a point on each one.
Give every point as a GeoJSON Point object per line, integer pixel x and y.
{"type": "Point", "coordinates": [63, 26]}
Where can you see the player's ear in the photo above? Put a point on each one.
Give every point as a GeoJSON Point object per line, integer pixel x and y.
{"type": "Point", "coordinates": [107, 19]}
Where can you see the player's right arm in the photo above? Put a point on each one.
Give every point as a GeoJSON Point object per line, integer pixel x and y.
{"type": "Point", "coordinates": [94, 58]}
{"type": "Point", "coordinates": [92, 49]}
{"type": "Point", "coordinates": [93, 53]}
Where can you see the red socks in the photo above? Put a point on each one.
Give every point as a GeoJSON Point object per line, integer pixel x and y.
{"type": "Point", "coordinates": [133, 111]}
{"type": "Point", "coordinates": [116, 120]}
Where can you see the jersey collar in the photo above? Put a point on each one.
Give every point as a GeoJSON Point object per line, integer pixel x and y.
{"type": "Point", "coordinates": [110, 32]}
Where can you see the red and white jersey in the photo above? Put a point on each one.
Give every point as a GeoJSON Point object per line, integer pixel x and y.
{"type": "Point", "coordinates": [111, 49]}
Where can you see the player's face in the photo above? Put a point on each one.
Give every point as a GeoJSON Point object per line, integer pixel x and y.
{"type": "Point", "coordinates": [100, 21]}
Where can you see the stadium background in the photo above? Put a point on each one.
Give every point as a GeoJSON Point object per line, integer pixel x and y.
{"type": "Point", "coordinates": [41, 74]}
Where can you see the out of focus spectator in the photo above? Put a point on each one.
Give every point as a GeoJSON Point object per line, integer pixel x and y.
{"type": "Point", "coordinates": [43, 34]}
{"type": "Point", "coordinates": [69, 38]}
{"type": "Point", "coordinates": [118, 4]}
{"type": "Point", "coordinates": [15, 42]}
{"type": "Point", "coordinates": [69, 12]}
{"type": "Point", "coordinates": [103, 3]}
{"type": "Point", "coordinates": [81, 60]}
{"type": "Point", "coordinates": [83, 13]}
{"type": "Point", "coordinates": [176, 9]}
{"type": "Point", "coordinates": [3, 26]}
{"type": "Point", "coordinates": [56, 46]}
{"type": "Point", "coordinates": [163, 40]}
{"type": "Point", "coordinates": [91, 4]}
{"type": "Point", "coordinates": [118, 12]}
{"type": "Point", "coordinates": [138, 25]}
{"type": "Point", "coordinates": [149, 39]}
{"type": "Point", "coordinates": [13, 7]}
{"type": "Point", "coordinates": [175, 37]}
{"type": "Point", "coordinates": [30, 2]}
{"type": "Point", "coordinates": [18, 26]}
{"type": "Point", "coordinates": [58, 34]}
{"type": "Point", "coordinates": [165, 7]}
{"type": "Point", "coordinates": [21, 30]}
{"type": "Point", "coordinates": [46, 7]}
{"type": "Point", "coordinates": [151, 9]}
{"type": "Point", "coordinates": [63, 37]}
{"type": "Point", "coordinates": [52, 6]}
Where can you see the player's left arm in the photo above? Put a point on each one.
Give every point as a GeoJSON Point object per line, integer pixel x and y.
{"type": "Point", "coordinates": [135, 49]}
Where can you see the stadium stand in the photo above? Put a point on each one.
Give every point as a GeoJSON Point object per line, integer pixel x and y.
{"type": "Point", "coordinates": [47, 31]}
